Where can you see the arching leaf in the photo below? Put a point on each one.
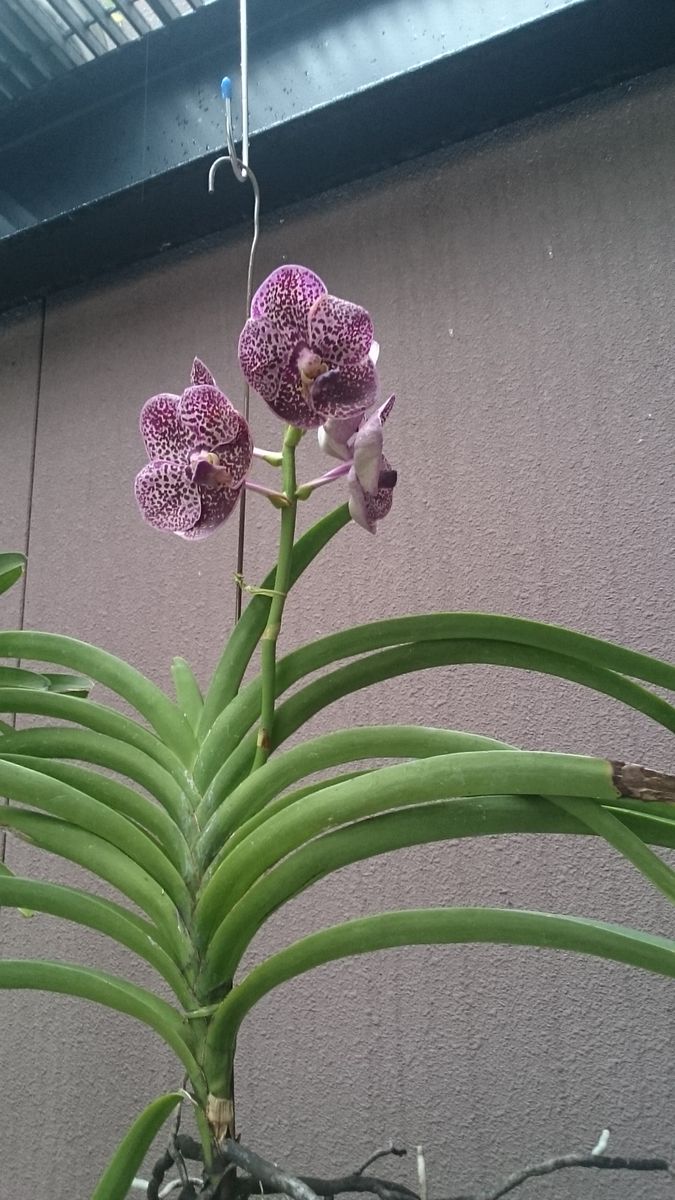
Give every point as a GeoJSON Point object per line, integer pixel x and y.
{"type": "Point", "coordinates": [425, 927]}
{"type": "Point", "coordinates": [118, 1176]}
{"type": "Point", "coordinates": [12, 567]}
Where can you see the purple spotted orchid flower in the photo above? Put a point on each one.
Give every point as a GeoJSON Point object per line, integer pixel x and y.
{"type": "Point", "coordinates": [358, 442]}
{"type": "Point", "coordinates": [200, 449]}
{"type": "Point", "coordinates": [311, 356]}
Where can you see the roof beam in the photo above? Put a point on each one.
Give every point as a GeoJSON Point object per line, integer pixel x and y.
{"type": "Point", "coordinates": [114, 155]}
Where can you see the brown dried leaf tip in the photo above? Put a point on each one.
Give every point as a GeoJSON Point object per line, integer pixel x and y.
{"type": "Point", "coordinates": [641, 783]}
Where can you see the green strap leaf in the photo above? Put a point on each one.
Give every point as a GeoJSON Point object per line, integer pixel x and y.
{"type": "Point", "coordinates": [91, 715]}
{"type": "Point", "coordinates": [106, 989]}
{"type": "Point", "coordinates": [105, 861]}
{"type": "Point", "coordinates": [106, 917]}
{"type": "Point", "coordinates": [309, 788]}
{"type": "Point", "coordinates": [87, 746]}
{"type": "Point", "coordinates": [613, 829]}
{"type": "Point", "coordinates": [149, 700]}
{"type": "Point", "coordinates": [17, 677]}
{"type": "Point", "coordinates": [444, 626]}
{"type": "Point", "coordinates": [6, 873]}
{"type": "Point", "coordinates": [484, 773]}
{"type": "Point", "coordinates": [69, 685]}
{"type": "Point", "coordinates": [12, 567]}
{"type": "Point", "coordinates": [421, 656]}
{"type": "Point", "coordinates": [244, 638]}
{"type": "Point", "coordinates": [119, 1175]}
{"type": "Point", "coordinates": [482, 816]}
{"type": "Point", "coordinates": [220, 772]}
{"type": "Point", "coordinates": [25, 786]}
{"type": "Point", "coordinates": [249, 804]}
{"type": "Point", "coordinates": [228, 731]}
{"type": "Point", "coordinates": [425, 927]}
{"type": "Point", "coordinates": [188, 693]}
{"type": "Point", "coordinates": [132, 804]}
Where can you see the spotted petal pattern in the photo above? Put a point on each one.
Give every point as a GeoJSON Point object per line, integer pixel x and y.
{"type": "Point", "coordinates": [200, 449]}
{"type": "Point", "coordinates": [292, 404]}
{"type": "Point", "coordinates": [341, 332]}
{"type": "Point", "coordinates": [350, 389]}
{"type": "Point", "coordinates": [264, 353]}
{"type": "Point", "coordinates": [216, 506]}
{"type": "Point", "coordinates": [208, 415]}
{"type": "Point", "coordinates": [201, 374]}
{"type": "Point", "coordinates": [162, 430]}
{"type": "Point", "coordinates": [311, 356]}
{"type": "Point", "coordinates": [286, 297]}
{"type": "Point", "coordinates": [237, 454]}
{"type": "Point", "coordinates": [366, 510]}
{"type": "Point", "coordinates": [166, 497]}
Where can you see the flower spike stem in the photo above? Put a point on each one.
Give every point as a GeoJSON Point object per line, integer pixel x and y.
{"type": "Point", "coordinates": [269, 456]}
{"type": "Point", "coordinates": [278, 499]}
{"type": "Point", "coordinates": [251, 589]}
{"type": "Point", "coordinates": [268, 643]}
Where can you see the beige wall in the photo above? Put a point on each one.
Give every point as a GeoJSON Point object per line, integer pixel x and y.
{"type": "Point", "coordinates": [523, 293]}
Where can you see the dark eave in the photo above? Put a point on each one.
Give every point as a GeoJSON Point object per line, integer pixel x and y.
{"type": "Point", "coordinates": [108, 164]}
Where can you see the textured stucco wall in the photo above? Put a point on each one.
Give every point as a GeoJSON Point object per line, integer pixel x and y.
{"type": "Point", "coordinates": [523, 292]}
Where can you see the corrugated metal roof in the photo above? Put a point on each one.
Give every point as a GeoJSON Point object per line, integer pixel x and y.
{"type": "Point", "coordinates": [41, 39]}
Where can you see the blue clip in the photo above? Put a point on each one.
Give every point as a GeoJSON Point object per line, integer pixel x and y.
{"type": "Point", "coordinates": [226, 88]}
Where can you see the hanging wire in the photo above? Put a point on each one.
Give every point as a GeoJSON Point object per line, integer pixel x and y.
{"type": "Point", "coordinates": [243, 174]}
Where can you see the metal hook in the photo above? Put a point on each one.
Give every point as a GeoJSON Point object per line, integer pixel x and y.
{"type": "Point", "coordinates": [239, 168]}
{"type": "Point", "coordinates": [243, 174]}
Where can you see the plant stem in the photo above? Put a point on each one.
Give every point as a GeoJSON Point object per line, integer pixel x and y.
{"type": "Point", "coordinates": [305, 490]}
{"type": "Point", "coordinates": [269, 456]}
{"type": "Point", "coordinates": [268, 644]}
{"type": "Point", "coordinates": [277, 498]}
{"type": "Point", "coordinates": [219, 1118]}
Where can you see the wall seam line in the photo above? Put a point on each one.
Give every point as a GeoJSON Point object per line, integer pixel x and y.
{"type": "Point", "coordinates": [29, 511]}
{"type": "Point", "coordinates": [29, 515]}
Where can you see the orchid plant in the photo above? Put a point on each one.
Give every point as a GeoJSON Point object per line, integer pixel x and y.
{"type": "Point", "coordinates": [209, 824]}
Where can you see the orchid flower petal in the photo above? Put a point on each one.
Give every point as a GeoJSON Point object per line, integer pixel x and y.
{"type": "Point", "coordinates": [264, 352]}
{"type": "Point", "coordinates": [292, 403]}
{"type": "Point", "coordinates": [367, 509]}
{"type": "Point", "coordinates": [343, 392]}
{"type": "Point", "coordinates": [208, 415]}
{"type": "Point", "coordinates": [379, 505]}
{"type": "Point", "coordinates": [237, 455]}
{"type": "Point", "coordinates": [286, 297]}
{"type": "Point", "coordinates": [335, 436]}
{"type": "Point", "coordinates": [200, 373]}
{"type": "Point", "coordinates": [384, 410]}
{"type": "Point", "coordinates": [217, 504]}
{"type": "Point", "coordinates": [341, 332]}
{"type": "Point", "coordinates": [162, 430]}
{"type": "Point", "coordinates": [358, 510]}
{"type": "Point", "coordinates": [368, 454]}
{"type": "Point", "coordinates": [166, 496]}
